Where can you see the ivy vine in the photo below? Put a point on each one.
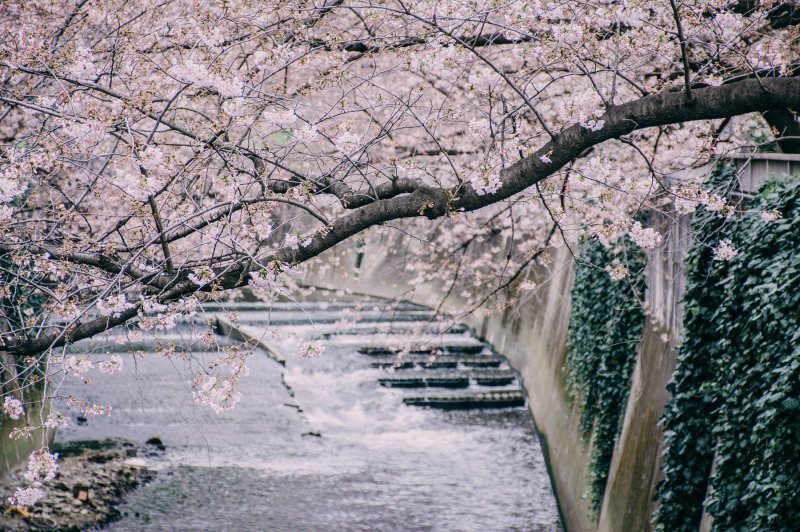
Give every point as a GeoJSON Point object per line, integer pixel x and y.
{"type": "Point", "coordinates": [736, 388]}
{"type": "Point", "coordinates": [605, 326]}
{"type": "Point", "coordinates": [689, 443]}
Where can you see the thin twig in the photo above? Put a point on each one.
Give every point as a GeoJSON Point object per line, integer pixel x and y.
{"type": "Point", "coordinates": [684, 52]}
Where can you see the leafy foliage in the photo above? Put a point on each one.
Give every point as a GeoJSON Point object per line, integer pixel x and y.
{"type": "Point", "coordinates": [758, 429]}
{"type": "Point", "coordinates": [689, 443]}
{"type": "Point", "coordinates": [605, 325]}
{"type": "Point", "coordinates": [737, 383]}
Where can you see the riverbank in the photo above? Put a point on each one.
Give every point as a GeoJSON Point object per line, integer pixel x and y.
{"type": "Point", "coordinates": [92, 478]}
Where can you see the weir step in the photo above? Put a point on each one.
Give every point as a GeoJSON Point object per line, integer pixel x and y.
{"type": "Point", "coordinates": [299, 317]}
{"type": "Point", "coordinates": [426, 382]}
{"type": "Point", "coordinates": [382, 350]}
{"type": "Point", "coordinates": [452, 379]}
{"type": "Point", "coordinates": [315, 306]}
{"type": "Point", "coordinates": [120, 342]}
{"type": "Point", "coordinates": [508, 399]}
{"type": "Point", "coordinates": [394, 329]}
{"type": "Point", "coordinates": [441, 362]}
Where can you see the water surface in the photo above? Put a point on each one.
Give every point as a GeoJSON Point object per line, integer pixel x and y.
{"type": "Point", "coordinates": [377, 464]}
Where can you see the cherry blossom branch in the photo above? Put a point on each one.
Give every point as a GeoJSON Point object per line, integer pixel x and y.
{"type": "Point", "coordinates": [660, 109]}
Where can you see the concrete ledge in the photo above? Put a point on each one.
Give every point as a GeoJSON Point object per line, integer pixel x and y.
{"type": "Point", "coordinates": [226, 327]}
{"type": "Point", "coordinates": [510, 399]}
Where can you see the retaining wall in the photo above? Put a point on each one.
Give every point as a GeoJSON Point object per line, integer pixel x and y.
{"type": "Point", "coordinates": [532, 335]}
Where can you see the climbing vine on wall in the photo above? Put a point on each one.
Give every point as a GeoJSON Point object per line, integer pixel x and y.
{"type": "Point", "coordinates": [689, 444]}
{"type": "Point", "coordinates": [736, 387]}
{"type": "Point", "coordinates": [605, 326]}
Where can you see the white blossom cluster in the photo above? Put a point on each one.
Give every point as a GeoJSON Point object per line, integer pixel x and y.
{"type": "Point", "coordinates": [78, 366]}
{"type": "Point", "coordinates": [111, 366]}
{"type": "Point", "coordinates": [86, 408]}
{"type": "Point", "coordinates": [312, 349]}
{"type": "Point", "coordinates": [617, 272]}
{"type": "Point", "coordinates": [56, 420]}
{"type": "Point", "coordinates": [113, 305]}
{"type": "Point", "coordinates": [486, 180]}
{"type": "Point", "coordinates": [27, 496]}
{"type": "Point", "coordinates": [216, 392]}
{"type": "Point", "coordinates": [42, 467]}
{"type": "Point", "coordinates": [724, 250]}
{"type": "Point", "coordinates": [645, 237]}
{"type": "Point", "coordinates": [13, 407]}
{"type": "Point", "coordinates": [593, 122]}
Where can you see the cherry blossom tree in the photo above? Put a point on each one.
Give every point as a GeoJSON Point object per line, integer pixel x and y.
{"type": "Point", "coordinates": [156, 153]}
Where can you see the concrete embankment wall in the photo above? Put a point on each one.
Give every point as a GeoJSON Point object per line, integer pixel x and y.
{"type": "Point", "coordinates": [532, 335]}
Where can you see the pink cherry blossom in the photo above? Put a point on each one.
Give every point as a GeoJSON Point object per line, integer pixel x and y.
{"type": "Point", "coordinates": [724, 250]}
{"type": "Point", "coordinates": [13, 407]}
{"type": "Point", "coordinates": [312, 349]}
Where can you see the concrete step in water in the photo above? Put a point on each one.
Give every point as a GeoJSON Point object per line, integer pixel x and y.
{"type": "Point", "coordinates": [412, 340]}
{"type": "Point", "coordinates": [389, 328]}
{"type": "Point", "coordinates": [298, 317]}
{"type": "Point", "coordinates": [315, 306]}
{"type": "Point", "coordinates": [339, 332]}
{"type": "Point", "coordinates": [180, 343]}
{"type": "Point", "coordinates": [462, 401]}
{"type": "Point", "coordinates": [432, 381]}
{"type": "Point", "coordinates": [450, 379]}
{"type": "Point", "coordinates": [441, 362]}
{"type": "Point", "coordinates": [434, 349]}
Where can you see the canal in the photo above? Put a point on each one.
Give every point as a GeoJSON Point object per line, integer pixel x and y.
{"type": "Point", "coordinates": [320, 444]}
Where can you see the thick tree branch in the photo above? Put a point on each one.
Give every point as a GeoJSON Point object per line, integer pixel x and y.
{"type": "Point", "coordinates": [755, 95]}
{"type": "Point", "coordinates": [657, 110]}
{"type": "Point", "coordinates": [96, 260]}
{"type": "Point", "coordinates": [22, 346]}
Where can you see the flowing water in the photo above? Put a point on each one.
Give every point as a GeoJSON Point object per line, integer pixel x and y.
{"type": "Point", "coordinates": [319, 444]}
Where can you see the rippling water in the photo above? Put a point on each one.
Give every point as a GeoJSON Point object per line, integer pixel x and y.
{"type": "Point", "coordinates": [378, 464]}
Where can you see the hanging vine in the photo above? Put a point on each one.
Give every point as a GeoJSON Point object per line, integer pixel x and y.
{"type": "Point", "coordinates": [736, 388]}
{"type": "Point", "coordinates": [689, 444]}
{"type": "Point", "coordinates": [605, 326]}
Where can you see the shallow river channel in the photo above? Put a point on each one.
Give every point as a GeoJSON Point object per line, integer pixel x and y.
{"type": "Point", "coordinates": [319, 444]}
